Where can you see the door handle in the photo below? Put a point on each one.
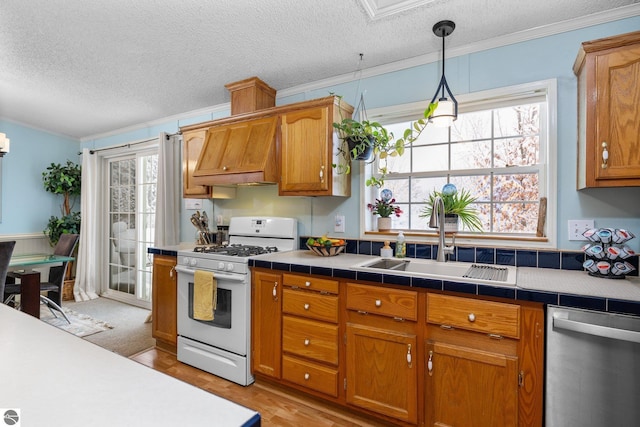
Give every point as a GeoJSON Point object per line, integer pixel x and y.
{"type": "Point", "coordinates": [596, 330]}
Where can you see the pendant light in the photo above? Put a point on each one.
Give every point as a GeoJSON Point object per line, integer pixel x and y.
{"type": "Point", "coordinates": [447, 110]}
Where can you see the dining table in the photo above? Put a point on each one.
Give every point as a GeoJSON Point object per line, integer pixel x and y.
{"type": "Point", "coordinates": [22, 267]}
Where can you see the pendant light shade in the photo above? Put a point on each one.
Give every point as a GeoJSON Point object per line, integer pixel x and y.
{"type": "Point", "coordinates": [447, 110]}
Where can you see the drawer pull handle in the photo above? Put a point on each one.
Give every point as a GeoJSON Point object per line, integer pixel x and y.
{"type": "Point", "coordinates": [362, 312]}
{"type": "Point", "coordinates": [307, 284]}
{"type": "Point", "coordinates": [472, 317]}
{"type": "Point", "coordinates": [307, 342]}
{"type": "Point", "coordinates": [378, 303]}
{"type": "Point", "coordinates": [307, 376]}
{"type": "Point", "coordinates": [306, 306]}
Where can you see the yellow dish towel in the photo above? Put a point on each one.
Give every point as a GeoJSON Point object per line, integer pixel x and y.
{"type": "Point", "coordinates": [205, 292]}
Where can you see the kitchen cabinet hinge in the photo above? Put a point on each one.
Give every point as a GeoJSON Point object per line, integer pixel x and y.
{"type": "Point", "coordinates": [520, 378]}
{"type": "Point", "coordinates": [345, 338]}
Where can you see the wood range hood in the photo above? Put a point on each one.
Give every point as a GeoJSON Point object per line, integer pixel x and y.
{"type": "Point", "coordinates": [242, 149]}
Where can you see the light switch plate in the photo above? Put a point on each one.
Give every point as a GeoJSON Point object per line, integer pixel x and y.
{"type": "Point", "coordinates": [339, 224]}
{"type": "Point", "coordinates": [579, 226]}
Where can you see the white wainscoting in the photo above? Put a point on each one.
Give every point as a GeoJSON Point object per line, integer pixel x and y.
{"type": "Point", "coordinates": [29, 243]}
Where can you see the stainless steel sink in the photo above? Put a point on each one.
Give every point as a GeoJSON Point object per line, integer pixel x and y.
{"type": "Point", "coordinates": [454, 271]}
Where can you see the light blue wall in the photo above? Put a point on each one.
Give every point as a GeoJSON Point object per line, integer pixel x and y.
{"type": "Point", "coordinates": [544, 58]}
{"type": "Point", "coordinates": [26, 206]}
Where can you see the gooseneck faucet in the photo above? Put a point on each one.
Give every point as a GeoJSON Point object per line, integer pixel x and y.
{"type": "Point", "coordinates": [437, 221]}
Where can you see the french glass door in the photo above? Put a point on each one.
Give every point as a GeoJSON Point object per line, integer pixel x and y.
{"type": "Point", "coordinates": [131, 181]}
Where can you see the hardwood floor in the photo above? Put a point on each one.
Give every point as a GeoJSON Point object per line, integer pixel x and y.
{"type": "Point", "coordinates": [276, 406]}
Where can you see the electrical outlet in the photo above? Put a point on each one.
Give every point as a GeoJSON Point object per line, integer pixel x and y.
{"type": "Point", "coordinates": [579, 226]}
{"type": "Point", "coordinates": [339, 224]}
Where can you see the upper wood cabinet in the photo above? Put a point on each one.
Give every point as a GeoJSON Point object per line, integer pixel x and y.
{"type": "Point", "coordinates": [608, 73]}
{"type": "Point", "coordinates": [192, 142]}
{"type": "Point", "coordinates": [308, 149]}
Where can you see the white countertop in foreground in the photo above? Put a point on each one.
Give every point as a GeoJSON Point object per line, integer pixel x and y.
{"type": "Point", "coordinates": [536, 279]}
{"type": "Point", "coordinates": [57, 379]}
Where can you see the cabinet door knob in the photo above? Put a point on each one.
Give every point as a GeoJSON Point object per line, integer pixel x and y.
{"type": "Point", "coordinates": [306, 376]}
{"type": "Point", "coordinates": [307, 342]}
{"type": "Point", "coordinates": [224, 168]}
{"type": "Point", "coordinates": [274, 291]}
{"type": "Point", "coordinates": [306, 306]}
{"type": "Point", "coordinates": [605, 155]}
{"type": "Point", "coordinates": [307, 284]}
{"type": "Point", "coordinates": [472, 317]}
{"type": "Point", "coordinates": [378, 303]}
{"type": "Point", "coordinates": [322, 173]}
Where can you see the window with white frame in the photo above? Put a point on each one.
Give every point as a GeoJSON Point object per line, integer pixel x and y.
{"type": "Point", "coordinates": [498, 149]}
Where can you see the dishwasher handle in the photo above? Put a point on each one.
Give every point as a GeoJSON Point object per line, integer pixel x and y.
{"type": "Point", "coordinates": [597, 330]}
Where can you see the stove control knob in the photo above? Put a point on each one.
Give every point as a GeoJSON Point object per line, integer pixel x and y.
{"type": "Point", "coordinates": [229, 267]}
{"type": "Point", "coordinates": [185, 260]}
{"type": "Point", "coordinates": [193, 262]}
{"type": "Point", "coordinates": [221, 266]}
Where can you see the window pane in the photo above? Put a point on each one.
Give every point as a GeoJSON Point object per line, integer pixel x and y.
{"type": "Point", "coordinates": [523, 151]}
{"type": "Point", "coordinates": [471, 155]}
{"type": "Point", "coordinates": [520, 187]}
{"type": "Point", "coordinates": [430, 158]}
{"type": "Point", "coordinates": [515, 217]}
{"type": "Point", "coordinates": [517, 120]}
{"type": "Point", "coordinates": [470, 126]}
{"type": "Point", "coordinates": [421, 187]}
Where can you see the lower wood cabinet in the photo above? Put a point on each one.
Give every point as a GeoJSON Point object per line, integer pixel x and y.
{"type": "Point", "coordinates": [381, 363]}
{"type": "Point", "coordinates": [407, 357]}
{"type": "Point", "coordinates": [164, 310]}
{"type": "Point", "coordinates": [470, 387]}
{"type": "Point", "coordinates": [266, 324]}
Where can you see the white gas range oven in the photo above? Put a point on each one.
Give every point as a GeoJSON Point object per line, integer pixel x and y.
{"type": "Point", "coordinates": [222, 346]}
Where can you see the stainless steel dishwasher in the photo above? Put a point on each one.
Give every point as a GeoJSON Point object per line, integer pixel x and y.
{"type": "Point", "coordinates": [593, 369]}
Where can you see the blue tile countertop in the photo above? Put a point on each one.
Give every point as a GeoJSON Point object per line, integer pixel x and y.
{"type": "Point", "coordinates": [567, 288]}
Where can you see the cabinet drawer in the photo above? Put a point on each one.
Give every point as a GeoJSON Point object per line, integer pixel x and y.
{"type": "Point", "coordinates": [311, 283]}
{"type": "Point", "coordinates": [308, 338]}
{"type": "Point", "coordinates": [383, 301]}
{"type": "Point", "coordinates": [311, 305]}
{"type": "Point", "coordinates": [308, 374]}
{"type": "Point", "coordinates": [475, 315]}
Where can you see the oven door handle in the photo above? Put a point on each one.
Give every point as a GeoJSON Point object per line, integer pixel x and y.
{"type": "Point", "coordinates": [597, 330]}
{"type": "Point", "coordinates": [216, 275]}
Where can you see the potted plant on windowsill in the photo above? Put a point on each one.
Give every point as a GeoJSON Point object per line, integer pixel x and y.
{"type": "Point", "coordinates": [457, 208]}
{"type": "Point", "coordinates": [384, 209]}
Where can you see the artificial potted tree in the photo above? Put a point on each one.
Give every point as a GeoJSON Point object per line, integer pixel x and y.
{"type": "Point", "coordinates": [65, 180]}
{"type": "Point", "coordinates": [457, 208]}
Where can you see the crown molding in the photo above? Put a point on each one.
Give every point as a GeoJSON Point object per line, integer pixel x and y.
{"type": "Point", "coordinates": [522, 36]}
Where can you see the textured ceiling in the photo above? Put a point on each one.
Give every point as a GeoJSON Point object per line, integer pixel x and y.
{"type": "Point", "coordinates": [82, 68]}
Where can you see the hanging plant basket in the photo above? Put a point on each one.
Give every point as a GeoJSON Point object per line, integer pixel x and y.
{"type": "Point", "coordinates": [364, 149]}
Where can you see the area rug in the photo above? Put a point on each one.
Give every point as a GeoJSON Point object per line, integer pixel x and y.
{"type": "Point", "coordinates": [81, 325]}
